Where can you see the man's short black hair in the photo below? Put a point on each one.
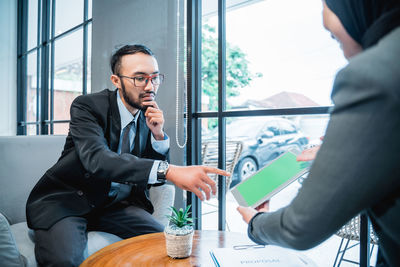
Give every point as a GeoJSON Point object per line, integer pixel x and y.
{"type": "Point", "coordinates": [115, 62]}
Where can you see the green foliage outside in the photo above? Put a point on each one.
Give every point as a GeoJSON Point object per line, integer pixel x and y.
{"type": "Point", "coordinates": [237, 73]}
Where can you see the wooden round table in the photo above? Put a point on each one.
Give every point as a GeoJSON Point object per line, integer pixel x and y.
{"type": "Point", "coordinates": [150, 250]}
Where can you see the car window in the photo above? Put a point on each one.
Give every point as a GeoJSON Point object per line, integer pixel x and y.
{"type": "Point", "coordinates": [273, 127]}
{"type": "Point", "coordinates": [287, 127]}
{"type": "Point", "coordinates": [240, 128]}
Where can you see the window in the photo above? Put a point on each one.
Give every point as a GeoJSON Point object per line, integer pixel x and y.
{"type": "Point", "coordinates": [259, 72]}
{"type": "Point", "coordinates": [53, 62]}
{"type": "Point", "coordinates": [264, 74]}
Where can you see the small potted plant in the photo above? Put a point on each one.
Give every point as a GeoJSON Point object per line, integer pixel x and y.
{"type": "Point", "coordinates": [179, 233]}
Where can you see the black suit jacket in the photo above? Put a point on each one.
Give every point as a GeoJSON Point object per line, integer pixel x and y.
{"type": "Point", "coordinates": [80, 180]}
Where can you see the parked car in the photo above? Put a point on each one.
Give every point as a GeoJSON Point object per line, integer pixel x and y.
{"type": "Point", "coordinates": [263, 140]}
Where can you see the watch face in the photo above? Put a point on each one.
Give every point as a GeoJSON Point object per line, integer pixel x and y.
{"type": "Point", "coordinates": [162, 171]}
{"type": "Point", "coordinates": [163, 166]}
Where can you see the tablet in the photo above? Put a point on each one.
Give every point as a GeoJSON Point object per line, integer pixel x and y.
{"type": "Point", "coordinates": [269, 180]}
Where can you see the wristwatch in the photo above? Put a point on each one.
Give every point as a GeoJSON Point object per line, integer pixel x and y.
{"type": "Point", "coordinates": [162, 171]}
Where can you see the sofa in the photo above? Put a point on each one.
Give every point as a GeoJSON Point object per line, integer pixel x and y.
{"type": "Point", "coordinates": [23, 160]}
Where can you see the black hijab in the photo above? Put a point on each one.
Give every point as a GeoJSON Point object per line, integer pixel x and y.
{"type": "Point", "coordinates": [367, 21]}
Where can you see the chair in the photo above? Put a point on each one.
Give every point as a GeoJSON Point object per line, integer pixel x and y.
{"type": "Point", "coordinates": [351, 231]}
{"type": "Point", "coordinates": [209, 157]}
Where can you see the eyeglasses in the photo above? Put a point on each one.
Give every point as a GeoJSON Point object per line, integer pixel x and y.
{"type": "Point", "coordinates": [142, 80]}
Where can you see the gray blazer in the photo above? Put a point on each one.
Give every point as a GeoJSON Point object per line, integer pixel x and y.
{"type": "Point", "coordinates": [358, 165]}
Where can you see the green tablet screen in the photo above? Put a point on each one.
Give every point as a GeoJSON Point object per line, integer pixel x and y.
{"type": "Point", "coordinates": [271, 177]}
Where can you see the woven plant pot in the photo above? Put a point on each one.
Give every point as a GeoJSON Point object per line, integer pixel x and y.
{"type": "Point", "coordinates": [179, 246]}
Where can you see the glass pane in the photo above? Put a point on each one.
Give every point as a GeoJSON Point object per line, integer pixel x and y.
{"type": "Point", "coordinates": [89, 60]}
{"type": "Point", "coordinates": [69, 13]}
{"type": "Point", "coordinates": [31, 93]}
{"type": "Point", "coordinates": [31, 129]}
{"type": "Point", "coordinates": [51, 20]}
{"type": "Point", "coordinates": [50, 109]}
{"type": "Point", "coordinates": [209, 57]}
{"type": "Point", "coordinates": [279, 57]}
{"type": "Point", "coordinates": [264, 139]}
{"type": "Point", "coordinates": [61, 128]}
{"type": "Point", "coordinates": [32, 23]}
{"type": "Point", "coordinates": [270, 137]}
{"type": "Point", "coordinates": [209, 157]}
{"type": "Point", "coordinates": [67, 73]}
{"type": "Point", "coordinates": [89, 9]}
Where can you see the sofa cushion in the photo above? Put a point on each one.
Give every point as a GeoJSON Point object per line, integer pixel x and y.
{"type": "Point", "coordinates": [9, 253]}
{"type": "Point", "coordinates": [24, 239]}
{"type": "Point", "coordinates": [162, 198]}
{"type": "Point", "coordinates": [25, 243]}
{"type": "Point", "coordinates": [23, 160]}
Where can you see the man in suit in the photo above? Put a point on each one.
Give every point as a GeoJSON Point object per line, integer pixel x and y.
{"type": "Point", "coordinates": [115, 150]}
{"type": "Point", "coordinates": [357, 167]}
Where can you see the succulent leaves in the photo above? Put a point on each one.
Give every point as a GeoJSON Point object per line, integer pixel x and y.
{"type": "Point", "coordinates": [180, 217]}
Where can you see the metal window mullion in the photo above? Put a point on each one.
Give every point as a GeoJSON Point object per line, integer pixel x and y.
{"type": "Point", "coordinates": [364, 240]}
{"type": "Point", "coordinates": [197, 95]}
{"type": "Point", "coordinates": [32, 49]}
{"type": "Point", "coordinates": [21, 66]}
{"type": "Point", "coordinates": [31, 123]}
{"type": "Point", "coordinates": [38, 65]}
{"type": "Point", "coordinates": [221, 108]}
{"type": "Point", "coordinates": [190, 90]}
{"type": "Point", "coordinates": [267, 112]}
{"type": "Point", "coordinates": [75, 28]}
{"type": "Point", "coordinates": [57, 121]}
{"type": "Point", "coordinates": [71, 30]}
{"type": "Point", "coordinates": [44, 100]}
{"type": "Point", "coordinates": [85, 48]}
{"type": "Point", "coordinates": [51, 91]}
{"type": "Point", "coordinates": [194, 85]}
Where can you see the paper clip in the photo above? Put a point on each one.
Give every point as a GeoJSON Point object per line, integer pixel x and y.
{"type": "Point", "coordinates": [240, 247]}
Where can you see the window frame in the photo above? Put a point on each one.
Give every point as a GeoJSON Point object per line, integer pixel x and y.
{"type": "Point", "coordinates": [45, 64]}
{"type": "Point", "coordinates": [193, 150]}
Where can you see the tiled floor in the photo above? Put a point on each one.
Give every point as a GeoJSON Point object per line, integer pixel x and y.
{"type": "Point", "coordinates": [323, 255]}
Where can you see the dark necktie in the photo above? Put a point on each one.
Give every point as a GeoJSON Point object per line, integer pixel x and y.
{"type": "Point", "coordinates": [123, 190]}
{"type": "Point", "coordinates": [126, 144]}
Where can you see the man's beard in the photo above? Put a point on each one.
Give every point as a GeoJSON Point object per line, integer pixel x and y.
{"type": "Point", "coordinates": [131, 102]}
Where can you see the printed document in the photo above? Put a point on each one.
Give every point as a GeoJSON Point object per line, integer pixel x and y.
{"type": "Point", "coordinates": [266, 256]}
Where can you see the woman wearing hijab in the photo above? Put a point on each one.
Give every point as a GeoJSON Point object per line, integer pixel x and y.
{"type": "Point", "coordinates": [358, 166]}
